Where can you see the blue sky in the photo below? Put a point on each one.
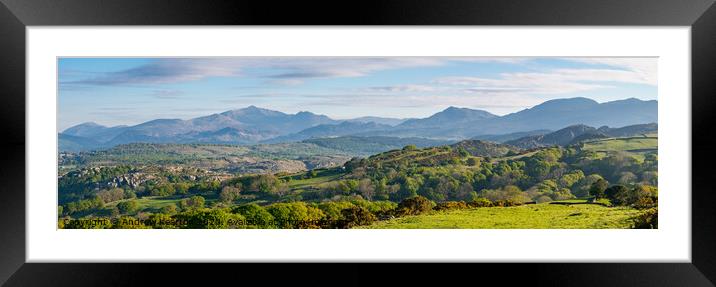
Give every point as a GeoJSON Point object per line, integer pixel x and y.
{"type": "Point", "coordinates": [128, 91]}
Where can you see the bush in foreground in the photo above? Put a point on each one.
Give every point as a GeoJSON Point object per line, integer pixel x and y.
{"type": "Point", "coordinates": [649, 219]}
{"type": "Point", "coordinates": [451, 205]}
{"type": "Point", "coordinates": [414, 206]}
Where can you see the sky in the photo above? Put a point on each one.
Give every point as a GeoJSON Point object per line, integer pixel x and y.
{"type": "Point", "coordinates": [128, 91]}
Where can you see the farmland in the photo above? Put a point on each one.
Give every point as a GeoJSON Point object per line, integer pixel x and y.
{"type": "Point", "coordinates": [536, 216]}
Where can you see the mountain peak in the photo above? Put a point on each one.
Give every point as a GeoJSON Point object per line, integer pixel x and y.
{"type": "Point", "coordinates": [80, 129]}
{"type": "Point", "coordinates": [630, 101]}
{"type": "Point", "coordinates": [464, 112]}
{"type": "Point", "coordinates": [566, 104]}
{"type": "Point", "coordinates": [305, 113]}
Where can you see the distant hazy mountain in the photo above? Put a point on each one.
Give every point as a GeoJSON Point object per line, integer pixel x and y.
{"type": "Point", "coordinates": [556, 114]}
{"type": "Point", "coordinates": [577, 133]}
{"type": "Point", "coordinates": [74, 143]}
{"type": "Point", "coordinates": [460, 123]}
{"type": "Point", "coordinates": [510, 136]}
{"type": "Point", "coordinates": [243, 126]}
{"type": "Point", "coordinates": [378, 120]}
{"type": "Point", "coordinates": [95, 131]}
{"type": "Point", "coordinates": [253, 125]}
{"type": "Point", "coordinates": [450, 116]}
{"type": "Point", "coordinates": [321, 131]}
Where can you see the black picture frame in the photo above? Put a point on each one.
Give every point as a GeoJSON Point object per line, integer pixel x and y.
{"type": "Point", "coordinates": [15, 15]}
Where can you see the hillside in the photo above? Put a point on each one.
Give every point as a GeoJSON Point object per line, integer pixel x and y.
{"type": "Point", "coordinates": [292, 157]}
{"type": "Point", "coordinates": [578, 133]}
{"type": "Point", "coordinates": [260, 158]}
{"type": "Point", "coordinates": [485, 148]}
{"type": "Point", "coordinates": [332, 130]}
{"type": "Point", "coordinates": [365, 146]}
{"type": "Point", "coordinates": [379, 187]}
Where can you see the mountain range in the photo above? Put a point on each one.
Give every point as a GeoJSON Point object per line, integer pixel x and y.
{"type": "Point", "coordinates": [253, 125]}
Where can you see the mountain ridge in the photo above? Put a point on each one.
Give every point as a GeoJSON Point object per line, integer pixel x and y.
{"type": "Point", "coordinates": [253, 124]}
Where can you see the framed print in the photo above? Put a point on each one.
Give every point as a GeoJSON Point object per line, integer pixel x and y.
{"type": "Point", "coordinates": [450, 132]}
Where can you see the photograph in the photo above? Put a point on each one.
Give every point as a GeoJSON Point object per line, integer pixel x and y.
{"type": "Point", "coordinates": [298, 142]}
{"type": "Point", "coordinates": [189, 138]}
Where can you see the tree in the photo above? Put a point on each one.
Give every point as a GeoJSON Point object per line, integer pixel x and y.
{"type": "Point", "coordinates": [570, 179]}
{"type": "Point", "coordinates": [229, 193]}
{"type": "Point", "coordinates": [647, 196]}
{"type": "Point", "coordinates": [256, 216]}
{"type": "Point", "coordinates": [562, 194]}
{"type": "Point", "coordinates": [473, 161]}
{"type": "Point", "coordinates": [650, 177]}
{"type": "Point", "coordinates": [126, 207]}
{"type": "Point", "coordinates": [597, 189]}
{"type": "Point", "coordinates": [366, 188]}
{"type": "Point", "coordinates": [620, 195]}
{"type": "Point", "coordinates": [627, 178]}
{"type": "Point", "coordinates": [163, 190]}
{"type": "Point", "coordinates": [169, 209]}
{"type": "Point", "coordinates": [111, 195]}
{"type": "Point", "coordinates": [410, 147]}
{"type": "Point", "coordinates": [265, 183]}
{"type": "Point", "coordinates": [582, 187]}
{"type": "Point", "coordinates": [295, 215]}
{"type": "Point", "coordinates": [194, 202]}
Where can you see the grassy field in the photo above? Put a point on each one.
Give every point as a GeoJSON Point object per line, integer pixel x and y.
{"type": "Point", "coordinates": [321, 177]}
{"type": "Point", "coordinates": [634, 146]}
{"type": "Point", "coordinates": [537, 216]}
{"type": "Point", "coordinates": [622, 144]}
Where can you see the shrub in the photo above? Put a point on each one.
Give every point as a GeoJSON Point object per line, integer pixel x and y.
{"type": "Point", "coordinates": [450, 205]}
{"type": "Point", "coordinates": [506, 203]}
{"type": "Point", "coordinates": [296, 215]}
{"type": "Point", "coordinates": [169, 209]}
{"type": "Point", "coordinates": [647, 197]}
{"type": "Point", "coordinates": [480, 202]}
{"type": "Point", "coordinates": [649, 219]}
{"type": "Point", "coordinates": [355, 216]}
{"type": "Point", "coordinates": [414, 206]}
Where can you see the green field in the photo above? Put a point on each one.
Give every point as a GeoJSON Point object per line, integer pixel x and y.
{"type": "Point", "coordinates": [622, 144]}
{"type": "Point", "coordinates": [321, 177]}
{"type": "Point", "coordinates": [636, 147]}
{"type": "Point", "coordinates": [537, 216]}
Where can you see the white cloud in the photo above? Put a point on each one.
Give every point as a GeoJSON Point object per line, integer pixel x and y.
{"type": "Point", "coordinates": [644, 68]}
{"type": "Point", "coordinates": [562, 81]}
{"type": "Point", "coordinates": [281, 70]}
{"type": "Point", "coordinates": [411, 88]}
